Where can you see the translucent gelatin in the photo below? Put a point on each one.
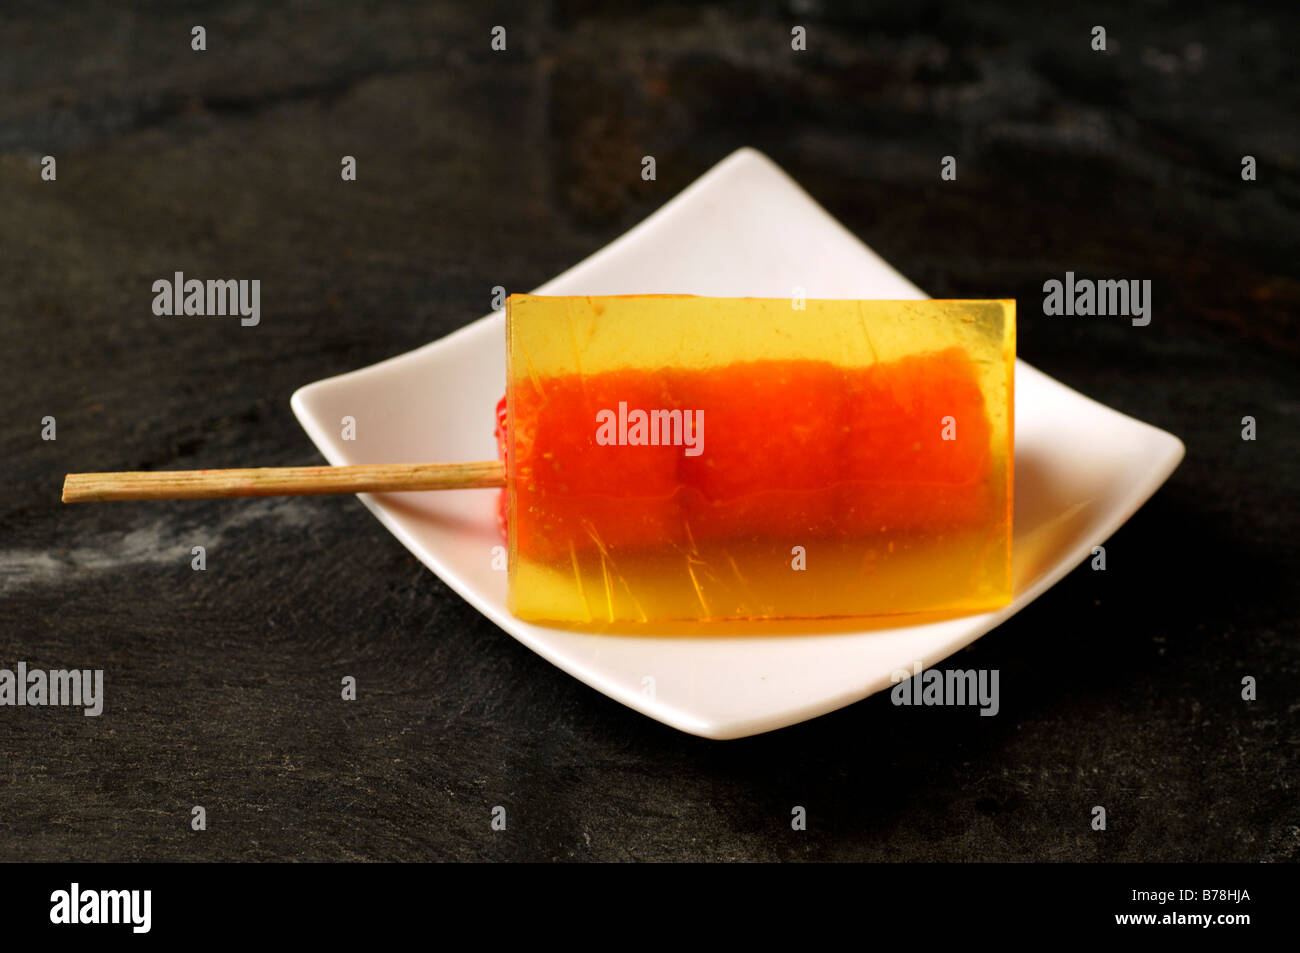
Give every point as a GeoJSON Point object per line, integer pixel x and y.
{"type": "Point", "coordinates": [681, 458]}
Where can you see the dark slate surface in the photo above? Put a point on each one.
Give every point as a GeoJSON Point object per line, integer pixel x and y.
{"type": "Point", "coordinates": [476, 169]}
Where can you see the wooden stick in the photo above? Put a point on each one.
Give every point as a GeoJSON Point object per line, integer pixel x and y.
{"type": "Point", "coordinates": [281, 481]}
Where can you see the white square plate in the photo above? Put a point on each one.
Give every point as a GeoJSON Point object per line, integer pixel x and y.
{"type": "Point", "coordinates": [743, 229]}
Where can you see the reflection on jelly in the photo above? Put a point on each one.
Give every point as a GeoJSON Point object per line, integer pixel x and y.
{"type": "Point", "coordinates": [679, 458]}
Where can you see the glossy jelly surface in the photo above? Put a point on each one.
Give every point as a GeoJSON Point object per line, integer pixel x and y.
{"type": "Point", "coordinates": [679, 458]}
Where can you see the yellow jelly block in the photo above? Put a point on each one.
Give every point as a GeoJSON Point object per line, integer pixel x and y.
{"type": "Point", "coordinates": [679, 458]}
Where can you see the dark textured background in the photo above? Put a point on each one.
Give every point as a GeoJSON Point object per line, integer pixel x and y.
{"type": "Point", "coordinates": [476, 169]}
